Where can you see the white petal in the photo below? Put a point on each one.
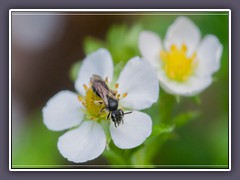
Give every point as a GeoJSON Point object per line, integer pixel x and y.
{"type": "Point", "coordinates": [84, 143]}
{"type": "Point", "coordinates": [136, 128]}
{"type": "Point", "coordinates": [191, 87]}
{"type": "Point", "coordinates": [138, 79]}
{"type": "Point", "coordinates": [183, 31]}
{"type": "Point", "coordinates": [62, 111]}
{"type": "Point", "coordinates": [209, 55]}
{"type": "Point", "coordinates": [98, 62]}
{"type": "Point", "coordinates": [150, 46]}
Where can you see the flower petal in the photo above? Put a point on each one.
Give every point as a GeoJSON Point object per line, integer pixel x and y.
{"type": "Point", "coordinates": [98, 62]}
{"type": "Point", "coordinates": [138, 79]}
{"type": "Point", "coordinates": [62, 111]}
{"type": "Point", "coordinates": [150, 46]}
{"type": "Point", "coordinates": [183, 31]}
{"type": "Point", "coordinates": [136, 128]}
{"type": "Point", "coordinates": [209, 55]}
{"type": "Point", "coordinates": [84, 143]}
{"type": "Point", "coordinates": [189, 88]}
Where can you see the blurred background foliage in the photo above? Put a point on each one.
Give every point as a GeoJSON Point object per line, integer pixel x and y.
{"type": "Point", "coordinates": [188, 132]}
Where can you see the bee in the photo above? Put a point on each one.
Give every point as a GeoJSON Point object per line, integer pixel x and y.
{"type": "Point", "coordinates": [101, 89]}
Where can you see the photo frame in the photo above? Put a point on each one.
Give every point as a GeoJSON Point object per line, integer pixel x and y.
{"type": "Point", "coordinates": [126, 12]}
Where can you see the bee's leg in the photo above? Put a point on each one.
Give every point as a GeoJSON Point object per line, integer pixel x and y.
{"type": "Point", "coordinates": [98, 103]}
{"type": "Point", "coordinates": [115, 124]}
{"type": "Point", "coordinates": [122, 121]}
{"type": "Point", "coordinates": [102, 109]}
{"type": "Point", "coordinates": [108, 115]}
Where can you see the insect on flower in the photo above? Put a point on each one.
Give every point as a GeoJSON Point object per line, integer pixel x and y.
{"type": "Point", "coordinates": [108, 96]}
{"type": "Point", "coordinates": [84, 113]}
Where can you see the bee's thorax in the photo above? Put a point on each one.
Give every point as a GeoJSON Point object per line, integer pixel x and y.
{"type": "Point", "coordinates": [112, 104]}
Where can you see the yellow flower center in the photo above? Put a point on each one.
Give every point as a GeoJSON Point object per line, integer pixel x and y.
{"type": "Point", "coordinates": [176, 64]}
{"type": "Point", "coordinates": [94, 107]}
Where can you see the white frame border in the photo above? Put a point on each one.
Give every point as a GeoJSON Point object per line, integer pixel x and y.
{"type": "Point", "coordinates": [118, 10]}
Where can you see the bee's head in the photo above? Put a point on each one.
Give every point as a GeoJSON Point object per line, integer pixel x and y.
{"type": "Point", "coordinates": [117, 116]}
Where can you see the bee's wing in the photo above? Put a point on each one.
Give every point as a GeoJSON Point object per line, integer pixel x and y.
{"type": "Point", "coordinates": [112, 94]}
{"type": "Point", "coordinates": [96, 77]}
{"type": "Point", "coordinates": [100, 87]}
{"type": "Point", "coordinates": [102, 91]}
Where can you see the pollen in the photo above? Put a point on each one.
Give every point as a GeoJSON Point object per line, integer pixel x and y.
{"type": "Point", "coordinates": [80, 98]}
{"type": "Point", "coordinates": [176, 64]}
{"type": "Point", "coordinates": [106, 79]}
{"type": "Point", "coordinates": [85, 87]}
{"type": "Point", "coordinates": [94, 105]}
{"type": "Point", "coordinates": [125, 95]}
{"type": "Point", "coordinates": [118, 96]}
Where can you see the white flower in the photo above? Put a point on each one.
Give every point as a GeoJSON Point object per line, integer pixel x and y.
{"type": "Point", "coordinates": [137, 88]}
{"type": "Point", "coordinates": [184, 65]}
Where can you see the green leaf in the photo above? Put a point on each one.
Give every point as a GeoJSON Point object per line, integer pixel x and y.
{"type": "Point", "coordinates": [146, 154]}
{"type": "Point", "coordinates": [197, 99]}
{"type": "Point", "coordinates": [185, 117]}
{"type": "Point", "coordinates": [113, 157]}
{"type": "Point", "coordinates": [133, 35]}
{"type": "Point", "coordinates": [116, 35]}
{"type": "Point", "coordinates": [152, 145]}
{"type": "Point", "coordinates": [161, 129]}
{"type": "Point", "coordinates": [166, 107]}
{"type": "Point", "coordinates": [123, 42]}
{"type": "Point", "coordinates": [74, 70]}
{"type": "Point", "coordinates": [139, 158]}
{"type": "Point", "coordinates": [178, 98]}
{"type": "Point", "coordinates": [92, 44]}
{"type": "Point", "coordinates": [36, 146]}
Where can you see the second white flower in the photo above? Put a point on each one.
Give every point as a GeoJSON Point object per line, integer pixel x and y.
{"type": "Point", "coordinates": [184, 65]}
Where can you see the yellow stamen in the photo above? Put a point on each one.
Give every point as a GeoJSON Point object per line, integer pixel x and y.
{"type": "Point", "coordinates": [80, 98]}
{"type": "Point", "coordinates": [125, 95]}
{"type": "Point", "coordinates": [83, 103]}
{"type": "Point", "coordinates": [106, 79]}
{"type": "Point", "coordinates": [94, 106]}
{"type": "Point", "coordinates": [176, 64]}
{"type": "Point", "coordinates": [118, 96]}
{"type": "Point", "coordinates": [85, 87]}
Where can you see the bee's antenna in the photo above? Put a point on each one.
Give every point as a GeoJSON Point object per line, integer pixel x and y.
{"type": "Point", "coordinates": [127, 112]}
